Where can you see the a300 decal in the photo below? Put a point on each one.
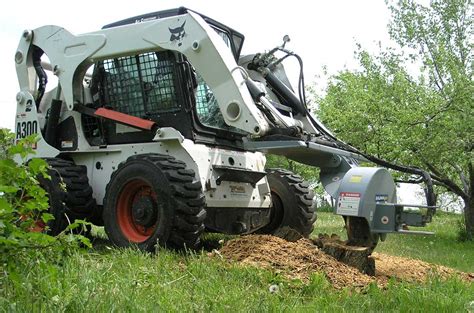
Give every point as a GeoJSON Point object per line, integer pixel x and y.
{"type": "Point", "coordinates": [24, 129]}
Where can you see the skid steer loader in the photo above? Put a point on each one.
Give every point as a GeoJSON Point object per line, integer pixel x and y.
{"type": "Point", "coordinates": [159, 128]}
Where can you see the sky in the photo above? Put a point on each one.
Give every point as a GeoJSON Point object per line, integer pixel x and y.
{"type": "Point", "coordinates": [323, 33]}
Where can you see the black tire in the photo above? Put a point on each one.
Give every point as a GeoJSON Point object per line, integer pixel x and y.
{"type": "Point", "coordinates": [292, 203]}
{"type": "Point", "coordinates": [75, 202]}
{"type": "Point", "coordinates": [154, 199]}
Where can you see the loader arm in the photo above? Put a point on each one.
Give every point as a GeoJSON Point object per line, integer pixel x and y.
{"type": "Point", "coordinates": [72, 55]}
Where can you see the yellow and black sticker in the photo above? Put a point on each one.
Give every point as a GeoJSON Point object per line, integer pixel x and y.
{"type": "Point", "coordinates": [355, 179]}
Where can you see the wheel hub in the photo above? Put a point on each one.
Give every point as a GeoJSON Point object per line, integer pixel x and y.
{"type": "Point", "coordinates": [144, 211]}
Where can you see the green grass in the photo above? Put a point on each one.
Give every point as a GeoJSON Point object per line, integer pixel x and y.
{"type": "Point", "coordinates": [108, 279]}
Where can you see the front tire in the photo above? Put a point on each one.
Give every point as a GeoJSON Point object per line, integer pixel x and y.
{"type": "Point", "coordinates": [153, 199]}
{"type": "Point", "coordinates": [292, 204]}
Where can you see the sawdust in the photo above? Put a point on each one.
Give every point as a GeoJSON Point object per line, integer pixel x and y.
{"type": "Point", "coordinates": [294, 260]}
{"type": "Point", "coordinates": [412, 270]}
{"type": "Point", "coordinates": [300, 259]}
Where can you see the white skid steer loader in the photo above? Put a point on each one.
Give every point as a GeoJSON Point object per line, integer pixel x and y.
{"type": "Point", "coordinates": [159, 128]}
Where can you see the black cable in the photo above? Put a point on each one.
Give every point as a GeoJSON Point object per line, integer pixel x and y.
{"type": "Point", "coordinates": [424, 175]}
{"type": "Point", "coordinates": [301, 84]}
{"type": "Point", "coordinates": [40, 72]}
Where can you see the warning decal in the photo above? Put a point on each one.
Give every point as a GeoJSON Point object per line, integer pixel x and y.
{"type": "Point", "coordinates": [348, 203]}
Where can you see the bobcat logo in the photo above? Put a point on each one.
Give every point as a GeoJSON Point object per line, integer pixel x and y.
{"type": "Point", "coordinates": [177, 34]}
{"type": "Point", "coordinates": [29, 105]}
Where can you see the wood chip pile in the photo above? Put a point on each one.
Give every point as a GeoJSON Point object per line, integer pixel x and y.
{"type": "Point", "coordinates": [298, 260]}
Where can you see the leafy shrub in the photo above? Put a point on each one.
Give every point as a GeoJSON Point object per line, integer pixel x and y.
{"type": "Point", "coordinates": [24, 205]}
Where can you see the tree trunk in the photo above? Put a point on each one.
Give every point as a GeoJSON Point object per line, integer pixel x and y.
{"type": "Point", "coordinates": [469, 217]}
{"type": "Point", "coordinates": [469, 204]}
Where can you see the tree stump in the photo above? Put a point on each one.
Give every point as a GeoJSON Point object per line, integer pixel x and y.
{"type": "Point", "coordinates": [357, 257]}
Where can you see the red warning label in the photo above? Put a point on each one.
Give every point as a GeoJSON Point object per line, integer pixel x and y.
{"type": "Point", "coordinates": [348, 203]}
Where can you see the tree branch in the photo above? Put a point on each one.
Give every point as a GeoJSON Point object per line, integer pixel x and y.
{"type": "Point", "coordinates": [464, 181]}
{"type": "Point", "coordinates": [459, 33]}
{"type": "Point", "coordinates": [432, 117]}
{"type": "Point", "coordinates": [448, 184]}
{"type": "Point", "coordinates": [471, 178]}
{"type": "Point", "coordinates": [438, 183]}
{"type": "Point", "coordinates": [437, 71]}
{"type": "Point", "coordinates": [432, 168]}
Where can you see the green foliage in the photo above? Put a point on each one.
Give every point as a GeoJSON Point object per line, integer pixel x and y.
{"type": "Point", "coordinates": [379, 109]}
{"type": "Point", "coordinates": [325, 207]}
{"type": "Point", "coordinates": [24, 204]}
{"type": "Point", "coordinates": [424, 120]}
{"type": "Point", "coordinates": [462, 234]}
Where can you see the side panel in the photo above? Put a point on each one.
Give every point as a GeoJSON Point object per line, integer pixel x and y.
{"type": "Point", "coordinates": [101, 163]}
{"type": "Point", "coordinates": [27, 123]}
{"type": "Point", "coordinates": [229, 194]}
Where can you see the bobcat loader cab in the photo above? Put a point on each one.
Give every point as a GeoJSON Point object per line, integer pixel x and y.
{"type": "Point", "coordinates": [158, 127]}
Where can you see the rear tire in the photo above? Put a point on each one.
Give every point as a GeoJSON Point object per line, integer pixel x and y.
{"type": "Point", "coordinates": [75, 202]}
{"type": "Point", "coordinates": [153, 199]}
{"type": "Point", "coordinates": [292, 204]}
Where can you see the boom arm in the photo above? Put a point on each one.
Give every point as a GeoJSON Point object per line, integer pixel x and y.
{"type": "Point", "coordinates": [72, 55]}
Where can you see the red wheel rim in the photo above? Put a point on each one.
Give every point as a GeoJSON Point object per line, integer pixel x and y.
{"type": "Point", "coordinates": [38, 225]}
{"type": "Point", "coordinates": [132, 195]}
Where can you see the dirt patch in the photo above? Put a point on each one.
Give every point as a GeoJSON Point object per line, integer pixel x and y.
{"type": "Point", "coordinates": [298, 260]}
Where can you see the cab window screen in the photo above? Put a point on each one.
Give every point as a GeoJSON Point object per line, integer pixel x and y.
{"type": "Point", "coordinates": [207, 107]}
{"type": "Point", "coordinates": [140, 85]}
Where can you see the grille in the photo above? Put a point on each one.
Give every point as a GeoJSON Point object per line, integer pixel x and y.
{"type": "Point", "coordinates": [140, 85]}
{"type": "Point", "coordinates": [206, 105]}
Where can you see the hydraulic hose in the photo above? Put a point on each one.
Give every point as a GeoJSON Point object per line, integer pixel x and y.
{"type": "Point", "coordinates": [42, 76]}
{"type": "Point", "coordinates": [424, 175]}
{"type": "Point", "coordinates": [53, 118]}
{"type": "Point", "coordinates": [285, 92]}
